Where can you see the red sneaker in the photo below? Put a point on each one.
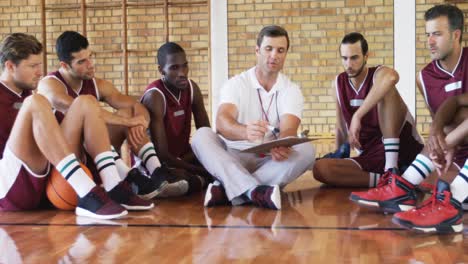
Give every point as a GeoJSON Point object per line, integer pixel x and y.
{"type": "Point", "coordinates": [438, 214]}
{"type": "Point", "coordinates": [392, 194]}
{"type": "Point", "coordinates": [123, 194]}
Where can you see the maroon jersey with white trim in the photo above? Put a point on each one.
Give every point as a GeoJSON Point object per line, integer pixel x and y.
{"type": "Point", "coordinates": [10, 104]}
{"type": "Point", "coordinates": [439, 84]}
{"type": "Point", "coordinates": [350, 99]}
{"type": "Point", "coordinates": [177, 117]}
{"type": "Point", "coordinates": [88, 87]}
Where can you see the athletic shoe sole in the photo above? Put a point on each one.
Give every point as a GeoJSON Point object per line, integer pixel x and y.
{"type": "Point", "coordinates": [83, 212]}
{"type": "Point", "coordinates": [154, 193]}
{"type": "Point", "coordinates": [440, 229]}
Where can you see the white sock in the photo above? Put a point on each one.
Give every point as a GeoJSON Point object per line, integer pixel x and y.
{"type": "Point", "coordinates": [71, 170]}
{"type": "Point", "coordinates": [122, 167]}
{"type": "Point", "coordinates": [392, 147]}
{"type": "Point", "coordinates": [148, 156]}
{"type": "Point", "coordinates": [421, 167]}
{"type": "Point", "coordinates": [459, 186]}
{"type": "Point", "coordinates": [107, 170]}
{"type": "Point", "coordinates": [373, 179]}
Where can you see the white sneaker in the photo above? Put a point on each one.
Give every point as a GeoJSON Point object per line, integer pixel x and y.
{"type": "Point", "coordinates": [174, 189]}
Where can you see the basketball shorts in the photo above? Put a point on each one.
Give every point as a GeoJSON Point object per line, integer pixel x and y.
{"type": "Point", "coordinates": [372, 159]}
{"type": "Point", "coordinates": [20, 188]}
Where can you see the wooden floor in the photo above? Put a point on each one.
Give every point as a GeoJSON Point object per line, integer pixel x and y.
{"type": "Point", "coordinates": [316, 225]}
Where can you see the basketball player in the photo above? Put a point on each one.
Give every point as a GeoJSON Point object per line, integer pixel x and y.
{"type": "Point", "coordinates": [30, 137]}
{"type": "Point", "coordinates": [75, 77]}
{"type": "Point", "coordinates": [171, 101]}
{"type": "Point", "coordinates": [372, 117]}
{"type": "Point", "coordinates": [446, 76]}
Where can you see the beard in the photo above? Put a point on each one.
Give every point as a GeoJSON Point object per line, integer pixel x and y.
{"type": "Point", "coordinates": [359, 71]}
{"type": "Point", "coordinates": [25, 86]}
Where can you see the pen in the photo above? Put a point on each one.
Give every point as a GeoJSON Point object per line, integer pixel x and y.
{"type": "Point", "coordinates": [274, 130]}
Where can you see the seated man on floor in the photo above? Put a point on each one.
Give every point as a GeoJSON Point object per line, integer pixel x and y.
{"type": "Point", "coordinates": [257, 101]}
{"type": "Point", "coordinates": [31, 139]}
{"type": "Point", "coordinates": [76, 77]}
{"type": "Point", "coordinates": [447, 196]}
{"type": "Point", "coordinates": [446, 76]}
{"type": "Point", "coordinates": [371, 117]}
{"type": "Point", "coordinates": [171, 101]}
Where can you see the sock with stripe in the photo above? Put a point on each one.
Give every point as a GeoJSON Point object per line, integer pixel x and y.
{"type": "Point", "coordinates": [107, 170]}
{"type": "Point", "coordinates": [373, 179]}
{"type": "Point", "coordinates": [459, 186]}
{"type": "Point", "coordinates": [148, 156]}
{"type": "Point", "coordinates": [392, 147]}
{"type": "Point", "coordinates": [421, 167]}
{"type": "Point", "coordinates": [71, 170]}
{"type": "Point", "coordinates": [122, 167]}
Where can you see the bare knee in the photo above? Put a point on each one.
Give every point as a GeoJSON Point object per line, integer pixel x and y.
{"type": "Point", "coordinates": [85, 103]}
{"type": "Point", "coordinates": [321, 170]}
{"type": "Point", "coordinates": [36, 102]}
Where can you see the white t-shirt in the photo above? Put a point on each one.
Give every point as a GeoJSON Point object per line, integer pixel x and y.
{"type": "Point", "coordinates": [243, 90]}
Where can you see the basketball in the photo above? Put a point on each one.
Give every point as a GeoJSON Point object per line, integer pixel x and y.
{"type": "Point", "coordinates": [60, 192]}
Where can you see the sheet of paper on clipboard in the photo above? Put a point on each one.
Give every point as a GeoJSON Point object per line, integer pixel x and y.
{"type": "Point", "coordinates": [283, 142]}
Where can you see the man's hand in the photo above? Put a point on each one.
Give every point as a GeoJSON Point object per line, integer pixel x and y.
{"type": "Point", "coordinates": [354, 131]}
{"type": "Point", "coordinates": [136, 136]}
{"type": "Point", "coordinates": [443, 163]}
{"type": "Point", "coordinates": [256, 130]}
{"type": "Point", "coordinates": [436, 142]}
{"type": "Point", "coordinates": [138, 120]}
{"type": "Point", "coordinates": [280, 153]}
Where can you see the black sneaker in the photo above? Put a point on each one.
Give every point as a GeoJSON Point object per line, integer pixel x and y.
{"type": "Point", "coordinates": [161, 175]}
{"type": "Point", "coordinates": [267, 196]}
{"type": "Point", "coordinates": [465, 205]}
{"type": "Point", "coordinates": [123, 194]}
{"type": "Point", "coordinates": [146, 188]}
{"type": "Point", "coordinates": [97, 204]}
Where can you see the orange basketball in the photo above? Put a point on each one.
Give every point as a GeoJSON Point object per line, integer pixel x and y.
{"type": "Point", "coordinates": [60, 192]}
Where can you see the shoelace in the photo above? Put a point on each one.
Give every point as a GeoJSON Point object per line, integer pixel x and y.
{"type": "Point", "coordinates": [385, 179]}
{"type": "Point", "coordinates": [430, 204]}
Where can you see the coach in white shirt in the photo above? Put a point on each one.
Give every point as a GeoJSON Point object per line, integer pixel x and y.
{"type": "Point", "coordinates": [258, 105]}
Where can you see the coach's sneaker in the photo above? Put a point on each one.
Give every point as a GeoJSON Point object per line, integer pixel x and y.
{"type": "Point", "coordinates": [97, 204]}
{"type": "Point", "coordinates": [215, 195]}
{"type": "Point", "coordinates": [123, 194]}
{"type": "Point", "coordinates": [267, 196]}
{"type": "Point", "coordinates": [392, 194]}
{"type": "Point", "coordinates": [146, 188]}
{"type": "Point", "coordinates": [438, 214]}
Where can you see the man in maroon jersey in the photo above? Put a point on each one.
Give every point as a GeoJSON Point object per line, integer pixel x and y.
{"type": "Point", "coordinates": [74, 78]}
{"type": "Point", "coordinates": [372, 117]}
{"type": "Point", "coordinates": [446, 76]}
{"type": "Point", "coordinates": [30, 136]}
{"type": "Point", "coordinates": [171, 101]}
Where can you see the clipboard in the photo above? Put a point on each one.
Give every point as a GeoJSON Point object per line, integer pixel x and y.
{"type": "Point", "coordinates": [283, 142]}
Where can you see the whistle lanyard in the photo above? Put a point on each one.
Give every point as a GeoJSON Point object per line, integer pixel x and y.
{"type": "Point", "coordinates": [265, 114]}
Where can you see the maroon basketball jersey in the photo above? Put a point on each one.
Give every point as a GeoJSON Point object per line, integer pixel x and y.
{"type": "Point", "coordinates": [439, 84]}
{"type": "Point", "coordinates": [350, 99]}
{"type": "Point", "coordinates": [177, 116]}
{"type": "Point", "coordinates": [10, 103]}
{"type": "Point", "coordinates": [88, 87]}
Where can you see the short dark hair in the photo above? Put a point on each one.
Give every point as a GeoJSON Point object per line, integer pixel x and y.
{"type": "Point", "coordinates": [272, 31]}
{"type": "Point", "coordinates": [69, 42]}
{"type": "Point", "coordinates": [453, 14]}
{"type": "Point", "coordinates": [17, 47]}
{"type": "Point", "coordinates": [166, 49]}
{"type": "Point", "coordinates": [354, 37]}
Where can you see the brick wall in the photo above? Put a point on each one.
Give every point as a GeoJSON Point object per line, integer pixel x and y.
{"type": "Point", "coordinates": [188, 25]}
{"type": "Point", "coordinates": [315, 27]}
